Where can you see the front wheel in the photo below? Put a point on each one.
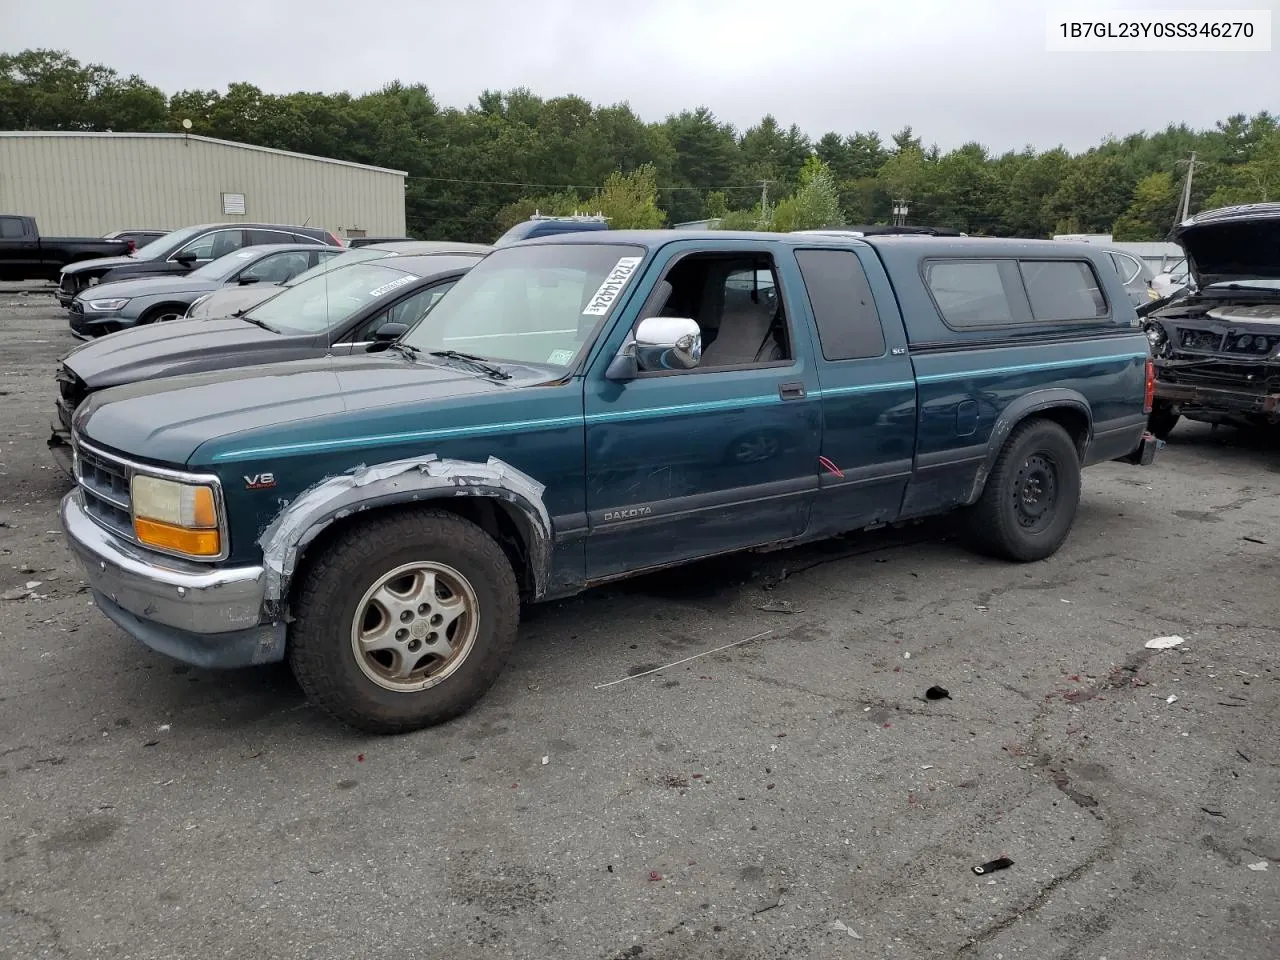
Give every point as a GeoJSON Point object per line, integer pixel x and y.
{"type": "Point", "coordinates": [1029, 503]}
{"type": "Point", "coordinates": [1162, 419]}
{"type": "Point", "coordinates": [404, 621]}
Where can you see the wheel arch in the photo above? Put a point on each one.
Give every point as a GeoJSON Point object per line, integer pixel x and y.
{"type": "Point", "coordinates": [1067, 408]}
{"type": "Point", "coordinates": [503, 501]}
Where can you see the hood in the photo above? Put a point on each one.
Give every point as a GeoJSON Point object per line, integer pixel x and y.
{"type": "Point", "coordinates": [100, 263]}
{"type": "Point", "coordinates": [165, 349]}
{"type": "Point", "coordinates": [149, 287]}
{"type": "Point", "coordinates": [1232, 243]}
{"type": "Point", "coordinates": [225, 301]}
{"type": "Point", "coordinates": [169, 420]}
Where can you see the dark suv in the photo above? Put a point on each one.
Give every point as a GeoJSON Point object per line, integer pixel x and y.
{"type": "Point", "coordinates": [183, 250]}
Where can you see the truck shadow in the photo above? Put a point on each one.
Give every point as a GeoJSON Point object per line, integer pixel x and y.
{"type": "Point", "coordinates": [1247, 447]}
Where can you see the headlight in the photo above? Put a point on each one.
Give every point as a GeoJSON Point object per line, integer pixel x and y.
{"type": "Point", "coordinates": [115, 304]}
{"type": "Point", "coordinates": [195, 304]}
{"type": "Point", "coordinates": [181, 517]}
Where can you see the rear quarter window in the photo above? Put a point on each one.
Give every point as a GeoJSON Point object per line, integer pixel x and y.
{"type": "Point", "coordinates": [843, 306]}
{"type": "Point", "coordinates": [1063, 290]}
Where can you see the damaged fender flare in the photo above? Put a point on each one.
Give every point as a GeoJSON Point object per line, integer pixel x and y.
{"type": "Point", "coordinates": [415, 480]}
{"type": "Point", "coordinates": [1019, 410]}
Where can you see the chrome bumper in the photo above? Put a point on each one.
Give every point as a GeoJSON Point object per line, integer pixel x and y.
{"type": "Point", "coordinates": [208, 617]}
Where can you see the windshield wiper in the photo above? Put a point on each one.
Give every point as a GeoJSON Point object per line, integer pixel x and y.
{"type": "Point", "coordinates": [480, 363]}
{"type": "Point", "coordinates": [256, 322]}
{"type": "Point", "coordinates": [408, 349]}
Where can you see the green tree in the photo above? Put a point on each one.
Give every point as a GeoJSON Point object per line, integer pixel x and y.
{"type": "Point", "coordinates": [51, 90]}
{"type": "Point", "coordinates": [630, 200]}
{"type": "Point", "coordinates": [1150, 214]}
{"type": "Point", "coordinates": [816, 204]}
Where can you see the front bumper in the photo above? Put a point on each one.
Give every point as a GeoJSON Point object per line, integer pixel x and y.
{"type": "Point", "coordinates": [209, 617]}
{"type": "Point", "coordinates": [1219, 398]}
{"type": "Point", "coordinates": [91, 323]}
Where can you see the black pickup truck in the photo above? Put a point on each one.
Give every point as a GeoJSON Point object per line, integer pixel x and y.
{"type": "Point", "coordinates": [25, 255]}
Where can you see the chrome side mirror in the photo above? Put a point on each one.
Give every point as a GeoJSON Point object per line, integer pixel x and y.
{"type": "Point", "coordinates": [659, 343]}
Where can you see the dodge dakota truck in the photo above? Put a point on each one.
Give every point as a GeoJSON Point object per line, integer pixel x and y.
{"type": "Point", "coordinates": [25, 255]}
{"type": "Point", "coordinates": [1217, 343]}
{"type": "Point", "coordinates": [591, 406]}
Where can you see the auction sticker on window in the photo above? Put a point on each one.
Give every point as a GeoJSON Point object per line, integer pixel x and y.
{"type": "Point", "coordinates": [603, 299]}
{"type": "Point", "coordinates": [388, 287]}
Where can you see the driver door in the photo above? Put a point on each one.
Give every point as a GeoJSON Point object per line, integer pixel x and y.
{"type": "Point", "coordinates": [684, 464]}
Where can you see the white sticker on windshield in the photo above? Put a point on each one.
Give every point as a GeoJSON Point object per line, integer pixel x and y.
{"type": "Point", "coordinates": [245, 254]}
{"type": "Point", "coordinates": [560, 357]}
{"type": "Point", "coordinates": [388, 287]}
{"type": "Point", "coordinates": [599, 304]}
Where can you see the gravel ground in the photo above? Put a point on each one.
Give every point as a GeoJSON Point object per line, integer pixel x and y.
{"type": "Point", "coordinates": [793, 795]}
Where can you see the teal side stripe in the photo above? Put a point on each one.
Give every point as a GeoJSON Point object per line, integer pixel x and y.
{"type": "Point", "coordinates": [864, 388]}
{"type": "Point", "coordinates": [1028, 367]}
{"type": "Point", "coordinates": [386, 439]}
{"type": "Point", "coordinates": [683, 408]}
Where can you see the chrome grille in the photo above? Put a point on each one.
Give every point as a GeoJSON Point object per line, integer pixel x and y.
{"type": "Point", "coordinates": [105, 483]}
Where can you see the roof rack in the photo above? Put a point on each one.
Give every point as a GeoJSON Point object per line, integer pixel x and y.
{"type": "Point", "coordinates": [575, 217]}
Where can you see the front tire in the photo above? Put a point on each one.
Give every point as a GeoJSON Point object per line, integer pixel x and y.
{"type": "Point", "coordinates": [1029, 503]}
{"type": "Point", "coordinates": [1162, 419]}
{"type": "Point", "coordinates": [163, 314]}
{"type": "Point", "coordinates": [404, 621]}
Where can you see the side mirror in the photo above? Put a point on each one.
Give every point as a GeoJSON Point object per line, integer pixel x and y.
{"type": "Point", "coordinates": [659, 343]}
{"type": "Point", "coordinates": [245, 281]}
{"type": "Point", "coordinates": [390, 332]}
{"type": "Point", "coordinates": [186, 257]}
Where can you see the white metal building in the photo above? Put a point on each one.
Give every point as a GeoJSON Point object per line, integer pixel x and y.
{"type": "Point", "coordinates": [87, 184]}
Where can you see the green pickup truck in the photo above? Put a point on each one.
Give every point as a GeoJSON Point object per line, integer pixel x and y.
{"type": "Point", "coordinates": [591, 406]}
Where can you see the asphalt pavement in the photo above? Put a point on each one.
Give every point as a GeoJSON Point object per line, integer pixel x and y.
{"type": "Point", "coordinates": [630, 790]}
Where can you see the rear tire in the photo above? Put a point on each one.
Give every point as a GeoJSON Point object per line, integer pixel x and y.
{"type": "Point", "coordinates": [404, 621]}
{"type": "Point", "coordinates": [1162, 420]}
{"type": "Point", "coordinates": [1029, 503]}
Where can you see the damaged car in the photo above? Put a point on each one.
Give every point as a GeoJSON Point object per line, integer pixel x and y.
{"type": "Point", "coordinates": [1216, 344]}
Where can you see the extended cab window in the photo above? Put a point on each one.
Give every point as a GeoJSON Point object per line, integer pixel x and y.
{"type": "Point", "coordinates": [538, 304]}
{"type": "Point", "coordinates": [1063, 290]}
{"type": "Point", "coordinates": [843, 306]}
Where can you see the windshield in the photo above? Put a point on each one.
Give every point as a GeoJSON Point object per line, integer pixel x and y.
{"type": "Point", "coordinates": [224, 267]}
{"type": "Point", "coordinates": [537, 304]}
{"type": "Point", "coordinates": [157, 248]}
{"type": "Point", "coordinates": [333, 263]}
{"type": "Point", "coordinates": [326, 300]}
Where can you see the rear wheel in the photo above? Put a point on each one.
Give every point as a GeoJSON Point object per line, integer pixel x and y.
{"type": "Point", "coordinates": [1162, 419]}
{"type": "Point", "coordinates": [404, 621]}
{"type": "Point", "coordinates": [1029, 503]}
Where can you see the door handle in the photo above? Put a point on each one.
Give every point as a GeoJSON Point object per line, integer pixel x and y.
{"type": "Point", "coordinates": [791, 391]}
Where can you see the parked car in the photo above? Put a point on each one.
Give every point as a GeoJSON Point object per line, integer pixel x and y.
{"type": "Point", "coordinates": [138, 238]}
{"type": "Point", "coordinates": [367, 241]}
{"type": "Point", "coordinates": [1171, 280]}
{"type": "Point", "coordinates": [1217, 343]}
{"type": "Point", "coordinates": [231, 301]}
{"type": "Point", "coordinates": [354, 309]}
{"type": "Point", "coordinates": [543, 226]}
{"type": "Point", "coordinates": [182, 251]}
{"type": "Point", "coordinates": [120, 304]}
{"type": "Point", "coordinates": [561, 419]}
{"type": "Point", "coordinates": [25, 255]}
{"type": "Point", "coordinates": [1136, 275]}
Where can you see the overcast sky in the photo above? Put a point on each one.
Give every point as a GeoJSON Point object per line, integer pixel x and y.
{"type": "Point", "coordinates": [955, 71]}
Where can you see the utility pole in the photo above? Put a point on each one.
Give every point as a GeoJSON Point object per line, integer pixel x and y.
{"type": "Point", "coordinates": [900, 210]}
{"type": "Point", "coordinates": [1185, 207]}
